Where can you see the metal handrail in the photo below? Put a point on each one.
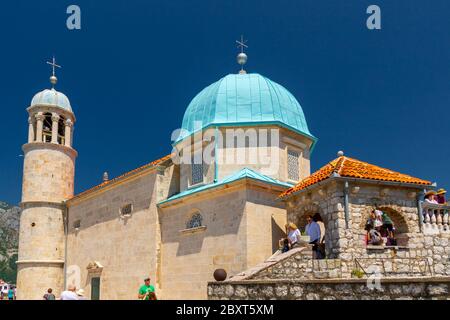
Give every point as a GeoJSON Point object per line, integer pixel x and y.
{"type": "Point", "coordinates": [416, 262]}
{"type": "Point", "coordinates": [427, 205]}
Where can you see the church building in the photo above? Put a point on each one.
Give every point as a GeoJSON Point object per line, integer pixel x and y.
{"type": "Point", "coordinates": [176, 219]}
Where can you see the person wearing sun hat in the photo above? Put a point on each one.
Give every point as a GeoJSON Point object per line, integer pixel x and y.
{"type": "Point", "coordinates": [80, 294]}
{"type": "Point", "coordinates": [293, 235]}
{"type": "Point", "coordinates": [430, 197]}
{"type": "Point", "coordinates": [440, 196]}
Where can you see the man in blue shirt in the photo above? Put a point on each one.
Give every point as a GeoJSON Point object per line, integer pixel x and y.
{"type": "Point", "coordinates": [313, 231]}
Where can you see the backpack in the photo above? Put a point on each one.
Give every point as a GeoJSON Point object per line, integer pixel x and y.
{"type": "Point", "coordinates": [375, 237]}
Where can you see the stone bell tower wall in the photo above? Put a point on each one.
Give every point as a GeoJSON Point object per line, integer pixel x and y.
{"type": "Point", "coordinates": [48, 180]}
{"type": "Point", "coordinates": [48, 173]}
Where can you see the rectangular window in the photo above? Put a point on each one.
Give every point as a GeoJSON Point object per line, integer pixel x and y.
{"type": "Point", "coordinates": [197, 173]}
{"type": "Point", "coordinates": [95, 288]}
{"type": "Point", "coordinates": [126, 209]}
{"type": "Point", "coordinates": [293, 165]}
{"type": "Point", "coordinates": [197, 169]}
{"type": "Point", "coordinates": [77, 224]}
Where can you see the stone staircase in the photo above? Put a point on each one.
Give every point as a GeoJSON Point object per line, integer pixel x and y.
{"type": "Point", "coordinates": [297, 263]}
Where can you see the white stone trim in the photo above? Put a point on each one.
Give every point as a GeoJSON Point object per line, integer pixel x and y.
{"type": "Point", "coordinates": [40, 262]}
{"type": "Point", "coordinates": [51, 108]}
{"type": "Point", "coordinates": [43, 145]}
{"type": "Point", "coordinates": [294, 143]}
{"type": "Point", "coordinates": [193, 230]}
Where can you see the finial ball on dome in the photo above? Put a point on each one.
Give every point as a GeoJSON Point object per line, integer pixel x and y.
{"type": "Point", "coordinates": [340, 153]}
{"type": "Point", "coordinates": [242, 58]}
{"type": "Point", "coordinates": [53, 80]}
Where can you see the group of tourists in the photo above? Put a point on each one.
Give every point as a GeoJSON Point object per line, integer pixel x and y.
{"type": "Point", "coordinates": [7, 292]}
{"type": "Point", "coordinates": [436, 197]}
{"type": "Point", "coordinates": [315, 229]}
{"type": "Point", "coordinates": [70, 294]}
{"type": "Point", "coordinates": [146, 292]}
{"type": "Point", "coordinates": [380, 229]}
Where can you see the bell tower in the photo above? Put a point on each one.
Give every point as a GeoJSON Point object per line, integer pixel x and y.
{"type": "Point", "coordinates": [48, 180]}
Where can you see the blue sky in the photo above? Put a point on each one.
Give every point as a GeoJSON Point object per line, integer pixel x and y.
{"type": "Point", "coordinates": [381, 96]}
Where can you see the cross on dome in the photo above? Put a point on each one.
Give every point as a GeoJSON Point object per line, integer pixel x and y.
{"type": "Point", "coordinates": [53, 78]}
{"type": "Point", "coordinates": [242, 44]}
{"type": "Point", "coordinates": [242, 57]}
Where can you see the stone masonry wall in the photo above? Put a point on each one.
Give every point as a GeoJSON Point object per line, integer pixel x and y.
{"type": "Point", "coordinates": [189, 257]}
{"type": "Point", "coordinates": [349, 289]}
{"type": "Point", "coordinates": [416, 250]}
{"type": "Point", "coordinates": [126, 247]}
{"type": "Point", "coordinates": [300, 265]}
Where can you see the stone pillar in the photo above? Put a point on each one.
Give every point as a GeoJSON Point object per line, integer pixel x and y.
{"type": "Point", "coordinates": [55, 122]}
{"type": "Point", "coordinates": [68, 133]}
{"type": "Point", "coordinates": [30, 129]}
{"type": "Point", "coordinates": [39, 126]}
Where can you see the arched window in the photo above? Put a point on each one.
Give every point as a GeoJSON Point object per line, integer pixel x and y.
{"type": "Point", "coordinates": [195, 221]}
{"type": "Point", "coordinates": [47, 128]}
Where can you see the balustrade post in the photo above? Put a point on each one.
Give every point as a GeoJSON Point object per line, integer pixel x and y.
{"type": "Point", "coordinates": [439, 219]}
{"type": "Point", "coordinates": [427, 216]}
{"type": "Point", "coordinates": [445, 219]}
{"type": "Point", "coordinates": [433, 216]}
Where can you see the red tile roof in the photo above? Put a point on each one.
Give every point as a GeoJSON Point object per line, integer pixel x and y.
{"type": "Point", "coordinates": [352, 168]}
{"type": "Point", "coordinates": [127, 174]}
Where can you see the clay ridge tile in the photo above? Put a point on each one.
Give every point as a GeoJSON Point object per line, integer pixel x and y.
{"type": "Point", "coordinates": [353, 168]}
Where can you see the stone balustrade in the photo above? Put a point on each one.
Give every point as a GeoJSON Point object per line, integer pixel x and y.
{"type": "Point", "coordinates": [435, 218]}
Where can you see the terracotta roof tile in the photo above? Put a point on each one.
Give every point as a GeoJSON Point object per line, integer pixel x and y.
{"type": "Point", "coordinates": [353, 168]}
{"type": "Point", "coordinates": [127, 174]}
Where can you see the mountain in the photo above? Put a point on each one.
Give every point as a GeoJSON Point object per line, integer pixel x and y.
{"type": "Point", "coordinates": [4, 206]}
{"type": "Point", "coordinates": [9, 241]}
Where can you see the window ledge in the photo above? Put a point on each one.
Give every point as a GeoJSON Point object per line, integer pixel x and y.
{"type": "Point", "coordinates": [192, 230]}
{"type": "Point", "coordinates": [193, 186]}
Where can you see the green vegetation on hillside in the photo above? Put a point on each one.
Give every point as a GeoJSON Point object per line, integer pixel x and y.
{"type": "Point", "coordinates": [9, 241]}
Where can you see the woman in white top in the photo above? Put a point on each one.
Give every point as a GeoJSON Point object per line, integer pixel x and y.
{"type": "Point", "coordinates": [430, 197]}
{"type": "Point", "coordinates": [293, 235]}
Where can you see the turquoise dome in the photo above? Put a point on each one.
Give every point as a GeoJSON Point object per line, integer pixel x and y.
{"type": "Point", "coordinates": [244, 100]}
{"type": "Point", "coordinates": [53, 98]}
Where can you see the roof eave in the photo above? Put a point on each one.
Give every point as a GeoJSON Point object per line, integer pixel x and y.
{"type": "Point", "coordinates": [249, 124]}
{"type": "Point", "coordinates": [351, 179]}
{"type": "Point", "coordinates": [217, 187]}
{"type": "Point", "coordinates": [117, 181]}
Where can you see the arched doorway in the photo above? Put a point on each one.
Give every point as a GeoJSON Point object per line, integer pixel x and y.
{"type": "Point", "coordinates": [315, 212]}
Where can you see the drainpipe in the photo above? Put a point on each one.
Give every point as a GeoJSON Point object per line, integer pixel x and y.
{"type": "Point", "coordinates": [66, 233]}
{"type": "Point", "coordinates": [216, 154]}
{"type": "Point", "coordinates": [420, 196]}
{"type": "Point", "coordinates": [346, 204]}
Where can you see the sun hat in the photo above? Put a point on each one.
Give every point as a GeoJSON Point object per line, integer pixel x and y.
{"type": "Point", "coordinates": [429, 193]}
{"type": "Point", "coordinates": [293, 226]}
{"type": "Point", "coordinates": [80, 292]}
{"type": "Point", "coordinates": [441, 191]}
